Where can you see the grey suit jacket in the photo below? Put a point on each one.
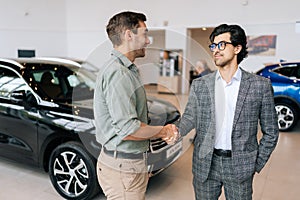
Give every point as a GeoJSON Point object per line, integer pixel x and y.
{"type": "Point", "coordinates": [255, 105]}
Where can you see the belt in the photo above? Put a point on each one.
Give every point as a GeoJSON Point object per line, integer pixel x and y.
{"type": "Point", "coordinates": [221, 152]}
{"type": "Point", "coordinates": [123, 155]}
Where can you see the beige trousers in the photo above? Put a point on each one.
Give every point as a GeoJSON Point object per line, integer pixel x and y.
{"type": "Point", "coordinates": [122, 179]}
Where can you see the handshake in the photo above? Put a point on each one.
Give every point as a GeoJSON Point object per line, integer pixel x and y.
{"type": "Point", "coordinates": [169, 134]}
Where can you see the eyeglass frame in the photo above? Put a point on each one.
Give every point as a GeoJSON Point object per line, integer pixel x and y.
{"type": "Point", "coordinates": [213, 46]}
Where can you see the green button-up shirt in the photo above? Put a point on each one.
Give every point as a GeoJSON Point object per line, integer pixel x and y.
{"type": "Point", "coordinates": [120, 105]}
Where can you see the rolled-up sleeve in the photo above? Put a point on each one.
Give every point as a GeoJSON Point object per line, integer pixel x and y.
{"type": "Point", "coordinates": [120, 105]}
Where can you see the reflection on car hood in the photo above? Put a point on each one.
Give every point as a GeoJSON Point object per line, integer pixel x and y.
{"type": "Point", "coordinates": [161, 112]}
{"type": "Point", "coordinates": [83, 108]}
{"type": "Point", "coordinates": [88, 103]}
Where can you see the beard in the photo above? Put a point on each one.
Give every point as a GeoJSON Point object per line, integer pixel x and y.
{"type": "Point", "coordinates": [139, 53]}
{"type": "Point", "coordinates": [223, 61]}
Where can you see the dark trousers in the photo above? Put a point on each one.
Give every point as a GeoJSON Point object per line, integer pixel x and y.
{"type": "Point", "coordinates": [222, 174]}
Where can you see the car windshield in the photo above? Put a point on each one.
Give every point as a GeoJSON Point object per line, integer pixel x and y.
{"type": "Point", "coordinates": [10, 82]}
{"type": "Point", "coordinates": [60, 83]}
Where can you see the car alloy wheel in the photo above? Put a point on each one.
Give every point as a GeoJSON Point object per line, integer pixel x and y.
{"type": "Point", "coordinates": [72, 172]}
{"type": "Point", "coordinates": [287, 116]}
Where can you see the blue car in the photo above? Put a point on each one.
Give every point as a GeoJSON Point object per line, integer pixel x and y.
{"type": "Point", "coordinates": [285, 78]}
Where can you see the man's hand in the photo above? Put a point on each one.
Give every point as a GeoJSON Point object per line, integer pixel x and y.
{"type": "Point", "coordinates": [169, 134]}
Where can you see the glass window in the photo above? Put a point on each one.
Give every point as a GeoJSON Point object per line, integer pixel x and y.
{"type": "Point", "coordinates": [73, 80]}
{"type": "Point", "coordinates": [288, 70]}
{"type": "Point", "coordinates": [39, 74]}
{"type": "Point", "coordinates": [10, 82]}
{"type": "Point", "coordinates": [58, 82]}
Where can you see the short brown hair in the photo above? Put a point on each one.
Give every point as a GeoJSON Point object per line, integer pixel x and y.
{"type": "Point", "coordinates": [122, 21]}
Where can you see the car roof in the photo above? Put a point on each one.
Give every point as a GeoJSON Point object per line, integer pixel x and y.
{"type": "Point", "coordinates": [20, 63]}
{"type": "Point", "coordinates": [282, 63]}
{"type": "Point", "coordinates": [277, 64]}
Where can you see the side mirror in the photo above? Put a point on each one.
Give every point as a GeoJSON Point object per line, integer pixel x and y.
{"type": "Point", "coordinates": [24, 98]}
{"type": "Point", "coordinates": [17, 96]}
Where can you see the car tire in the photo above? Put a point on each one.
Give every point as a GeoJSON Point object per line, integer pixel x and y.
{"type": "Point", "coordinates": [287, 116]}
{"type": "Point", "coordinates": [72, 172]}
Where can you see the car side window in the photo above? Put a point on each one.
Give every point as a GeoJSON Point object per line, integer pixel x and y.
{"type": "Point", "coordinates": [41, 76]}
{"type": "Point", "coordinates": [73, 80]}
{"type": "Point", "coordinates": [298, 71]}
{"type": "Point", "coordinates": [289, 71]}
{"type": "Point", "coordinates": [48, 82]}
{"type": "Point", "coordinates": [10, 82]}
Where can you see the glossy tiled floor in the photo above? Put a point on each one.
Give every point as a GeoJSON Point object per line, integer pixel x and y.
{"type": "Point", "coordinates": [279, 180]}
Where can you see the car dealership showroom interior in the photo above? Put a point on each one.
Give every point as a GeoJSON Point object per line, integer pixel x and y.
{"type": "Point", "coordinates": [53, 53]}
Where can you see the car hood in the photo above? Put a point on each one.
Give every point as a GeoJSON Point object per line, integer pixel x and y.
{"type": "Point", "coordinates": [161, 112]}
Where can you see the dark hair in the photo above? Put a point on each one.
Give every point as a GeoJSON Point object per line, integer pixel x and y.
{"type": "Point", "coordinates": [122, 21]}
{"type": "Point", "coordinates": [237, 37]}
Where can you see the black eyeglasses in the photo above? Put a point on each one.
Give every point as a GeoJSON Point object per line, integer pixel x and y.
{"type": "Point", "coordinates": [221, 46]}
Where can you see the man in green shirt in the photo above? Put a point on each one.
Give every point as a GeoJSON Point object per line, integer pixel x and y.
{"type": "Point", "coordinates": [120, 108]}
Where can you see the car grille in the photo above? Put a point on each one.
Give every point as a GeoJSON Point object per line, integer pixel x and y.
{"type": "Point", "coordinates": [157, 145]}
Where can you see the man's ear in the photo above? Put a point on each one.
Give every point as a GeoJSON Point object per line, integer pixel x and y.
{"type": "Point", "coordinates": [238, 49]}
{"type": "Point", "coordinates": [128, 35]}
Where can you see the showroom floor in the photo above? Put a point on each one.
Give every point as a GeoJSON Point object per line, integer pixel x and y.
{"type": "Point", "coordinates": [280, 179]}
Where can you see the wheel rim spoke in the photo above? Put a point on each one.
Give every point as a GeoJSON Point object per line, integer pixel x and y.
{"type": "Point", "coordinates": [285, 116]}
{"type": "Point", "coordinates": [71, 173]}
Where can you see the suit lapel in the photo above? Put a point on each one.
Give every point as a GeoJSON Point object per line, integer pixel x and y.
{"type": "Point", "coordinates": [211, 88]}
{"type": "Point", "coordinates": [243, 91]}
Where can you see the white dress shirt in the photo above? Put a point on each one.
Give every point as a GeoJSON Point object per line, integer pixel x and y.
{"type": "Point", "coordinates": [225, 103]}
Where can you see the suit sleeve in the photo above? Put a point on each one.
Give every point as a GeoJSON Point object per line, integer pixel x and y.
{"type": "Point", "coordinates": [188, 120]}
{"type": "Point", "coordinates": [269, 127]}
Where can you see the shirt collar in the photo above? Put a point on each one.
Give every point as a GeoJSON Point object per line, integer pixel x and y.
{"type": "Point", "coordinates": [218, 75]}
{"type": "Point", "coordinates": [123, 59]}
{"type": "Point", "coordinates": [237, 75]}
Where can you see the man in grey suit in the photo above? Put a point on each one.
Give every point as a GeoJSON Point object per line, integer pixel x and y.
{"type": "Point", "coordinates": [225, 108]}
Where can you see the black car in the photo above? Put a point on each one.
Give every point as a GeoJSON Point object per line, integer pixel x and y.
{"type": "Point", "coordinates": [47, 121]}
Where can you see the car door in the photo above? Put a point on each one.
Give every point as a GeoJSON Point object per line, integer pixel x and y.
{"type": "Point", "coordinates": [18, 129]}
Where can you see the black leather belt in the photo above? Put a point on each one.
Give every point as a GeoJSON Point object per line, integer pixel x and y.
{"type": "Point", "coordinates": [123, 155]}
{"type": "Point", "coordinates": [221, 152]}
